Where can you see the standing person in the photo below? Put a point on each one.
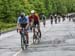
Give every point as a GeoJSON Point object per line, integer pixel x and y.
{"type": "Point", "coordinates": [51, 19]}
{"type": "Point", "coordinates": [44, 19]}
{"type": "Point", "coordinates": [35, 21]}
{"type": "Point", "coordinates": [23, 22]}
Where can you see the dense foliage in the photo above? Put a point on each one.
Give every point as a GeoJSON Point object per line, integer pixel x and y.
{"type": "Point", "coordinates": [10, 9]}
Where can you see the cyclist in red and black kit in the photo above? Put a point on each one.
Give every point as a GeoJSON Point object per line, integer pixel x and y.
{"type": "Point", "coordinates": [34, 20]}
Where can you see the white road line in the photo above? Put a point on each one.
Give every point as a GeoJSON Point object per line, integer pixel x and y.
{"type": "Point", "coordinates": [18, 52]}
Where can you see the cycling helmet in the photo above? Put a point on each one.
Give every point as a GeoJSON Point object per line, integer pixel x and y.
{"type": "Point", "coordinates": [32, 11]}
{"type": "Point", "coordinates": [22, 14]}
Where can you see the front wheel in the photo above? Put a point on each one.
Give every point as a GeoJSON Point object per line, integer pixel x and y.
{"type": "Point", "coordinates": [22, 44]}
{"type": "Point", "coordinates": [39, 34]}
{"type": "Point", "coordinates": [39, 37]}
{"type": "Point", "coordinates": [34, 39]}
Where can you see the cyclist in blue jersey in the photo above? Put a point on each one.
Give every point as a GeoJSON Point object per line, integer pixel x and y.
{"type": "Point", "coordinates": [23, 22]}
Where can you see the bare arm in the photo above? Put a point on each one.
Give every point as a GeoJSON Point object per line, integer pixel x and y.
{"type": "Point", "coordinates": [27, 25]}
{"type": "Point", "coordinates": [18, 26]}
{"type": "Point", "coordinates": [39, 20]}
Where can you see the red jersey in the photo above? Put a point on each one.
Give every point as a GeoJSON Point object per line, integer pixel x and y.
{"type": "Point", "coordinates": [34, 17]}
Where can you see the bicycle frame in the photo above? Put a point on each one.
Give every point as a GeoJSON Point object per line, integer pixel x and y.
{"type": "Point", "coordinates": [23, 39]}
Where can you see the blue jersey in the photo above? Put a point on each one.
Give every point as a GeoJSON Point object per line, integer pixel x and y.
{"type": "Point", "coordinates": [23, 20]}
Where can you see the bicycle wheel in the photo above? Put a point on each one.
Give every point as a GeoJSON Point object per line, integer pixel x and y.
{"type": "Point", "coordinates": [26, 44]}
{"type": "Point", "coordinates": [51, 22]}
{"type": "Point", "coordinates": [39, 34]}
{"type": "Point", "coordinates": [34, 39]}
{"type": "Point", "coordinates": [39, 37]}
{"type": "Point", "coordinates": [22, 44]}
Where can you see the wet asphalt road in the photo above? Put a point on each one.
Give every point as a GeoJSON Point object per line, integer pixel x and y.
{"type": "Point", "coordinates": [57, 40]}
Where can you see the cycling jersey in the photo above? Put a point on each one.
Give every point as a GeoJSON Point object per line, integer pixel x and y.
{"type": "Point", "coordinates": [34, 17]}
{"type": "Point", "coordinates": [36, 20]}
{"type": "Point", "coordinates": [23, 21]}
{"type": "Point", "coordinates": [43, 17]}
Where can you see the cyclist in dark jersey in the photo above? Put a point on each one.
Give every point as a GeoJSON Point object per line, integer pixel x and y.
{"type": "Point", "coordinates": [44, 19]}
{"type": "Point", "coordinates": [51, 19]}
{"type": "Point", "coordinates": [55, 19]}
{"type": "Point", "coordinates": [35, 21]}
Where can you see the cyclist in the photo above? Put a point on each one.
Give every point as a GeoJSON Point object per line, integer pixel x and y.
{"type": "Point", "coordinates": [55, 19]}
{"type": "Point", "coordinates": [63, 16]}
{"type": "Point", "coordinates": [35, 21]}
{"type": "Point", "coordinates": [51, 18]}
{"type": "Point", "coordinates": [23, 22]}
{"type": "Point", "coordinates": [44, 19]}
{"type": "Point", "coordinates": [59, 18]}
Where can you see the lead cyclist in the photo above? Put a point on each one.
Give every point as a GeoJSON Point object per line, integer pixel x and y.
{"type": "Point", "coordinates": [23, 22]}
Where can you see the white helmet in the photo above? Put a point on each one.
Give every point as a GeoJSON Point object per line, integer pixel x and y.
{"type": "Point", "coordinates": [55, 15]}
{"type": "Point", "coordinates": [23, 13]}
{"type": "Point", "coordinates": [32, 11]}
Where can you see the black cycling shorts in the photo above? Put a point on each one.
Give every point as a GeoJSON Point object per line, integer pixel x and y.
{"type": "Point", "coordinates": [36, 23]}
{"type": "Point", "coordinates": [23, 25]}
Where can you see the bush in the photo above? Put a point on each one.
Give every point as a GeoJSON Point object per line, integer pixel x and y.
{"type": "Point", "coordinates": [5, 26]}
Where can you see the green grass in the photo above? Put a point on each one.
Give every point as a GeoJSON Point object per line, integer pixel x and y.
{"type": "Point", "coordinates": [7, 26]}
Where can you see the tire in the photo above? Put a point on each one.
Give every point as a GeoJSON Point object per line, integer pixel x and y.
{"type": "Point", "coordinates": [26, 46]}
{"type": "Point", "coordinates": [59, 19]}
{"type": "Point", "coordinates": [39, 34]}
{"type": "Point", "coordinates": [44, 24]}
{"type": "Point", "coordinates": [38, 40]}
{"type": "Point", "coordinates": [39, 37]}
{"type": "Point", "coordinates": [22, 43]}
{"type": "Point", "coordinates": [51, 22]}
{"type": "Point", "coordinates": [34, 39]}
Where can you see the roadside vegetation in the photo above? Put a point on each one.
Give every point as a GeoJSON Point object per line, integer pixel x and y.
{"type": "Point", "coordinates": [10, 9]}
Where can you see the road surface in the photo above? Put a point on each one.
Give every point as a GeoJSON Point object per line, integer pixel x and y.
{"type": "Point", "coordinates": [57, 40]}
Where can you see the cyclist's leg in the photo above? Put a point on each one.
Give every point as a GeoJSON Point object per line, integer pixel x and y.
{"type": "Point", "coordinates": [39, 28]}
{"type": "Point", "coordinates": [34, 25]}
{"type": "Point", "coordinates": [20, 31]}
{"type": "Point", "coordinates": [27, 37]}
{"type": "Point", "coordinates": [44, 22]}
{"type": "Point", "coordinates": [30, 26]}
